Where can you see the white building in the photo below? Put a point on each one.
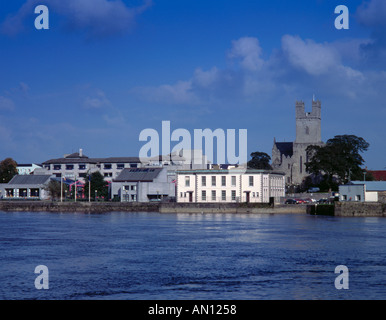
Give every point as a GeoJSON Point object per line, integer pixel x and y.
{"type": "Point", "coordinates": [362, 191]}
{"type": "Point", "coordinates": [27, 168]}
{"type": "Point", "coordinates": [26, 187]}
{"type": "Point", "coordinates": [233, 185]}
{"type": "Point", "coordinates": [143, 185]}
{"type": "Point", "coordinates": [77, 165]}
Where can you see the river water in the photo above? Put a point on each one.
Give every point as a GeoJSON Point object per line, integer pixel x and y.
{"type": "Point", "coordinates": [191, 256]}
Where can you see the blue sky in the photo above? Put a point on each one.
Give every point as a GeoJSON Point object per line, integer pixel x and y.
{"type": "Point", "coordinates": [106, 70]}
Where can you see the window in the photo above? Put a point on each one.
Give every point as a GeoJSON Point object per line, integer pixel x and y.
{"type": "Point", "coordinates": [223, 195]}
{"type": "Point", "coordinates": [82, 167]}
{"type": "Point", "coordinates": [213, 181]}
{"type": "Point", "coordinates": [233, 193]}
{"type": "Point", "coordinates": [181, 194]}
{"type": "Point", "coordinates": [203, 195]}
{"type": "Point", "coordinates": [34, 192]}
{"type": "Point", "coordinates": [203, 181]}
{"type": "Point", "coordinates": [69, 167]}
{"type": "Point", "coordinates": [187, 181]}
{"type": "Point", "coordinates": [47, 166]}
{"type": "Point", "coordinates": [251, 181]}
{"type": "Point", "coordinates": [57, 166]}
{"type": "Point", "coordinates": [107, 166]}
{"type": "Point", "coordinates": [345, 197]}
{"type": "Point", "coordinates": [213, 195]}
{"type": "Point", "coordinates": [257, 194]}
{"type": "Point", "coordinates": [223, 181]}
{"type": "Point", "coordinates": [358, 197]}
{"type": "Point", "coordinates": [233, 181]}
{"type": "Point", "coordinates": [120, 166]}
{"type": "Point", "coordinates": [133, 165]}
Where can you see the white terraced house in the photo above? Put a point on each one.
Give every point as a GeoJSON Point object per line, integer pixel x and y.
{"type": "Point", "coordinates": [233, 185]}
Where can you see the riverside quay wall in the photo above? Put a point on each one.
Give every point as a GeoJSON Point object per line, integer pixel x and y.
{"type": "Point", "coordinates": [81, 207]}
{"type": "Point", "coordinates": [172, 207]}
{"type": "Point", "coordinates": [360, 209]}
{"type": "Point", "coordinates": [349, 209]}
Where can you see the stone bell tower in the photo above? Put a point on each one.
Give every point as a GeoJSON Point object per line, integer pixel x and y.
{"type": "Point", "coordinates": [308, 128]}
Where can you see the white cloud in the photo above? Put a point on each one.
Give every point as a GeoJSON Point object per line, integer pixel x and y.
{"type": "Point", "coordinates": [98, 18]}
{"type": "Point", "coordinates": [372, 13]}
{"type": "Point", "coordinates": [178, 93]}
{"type": "Point", "coordinates": [98, 101]}
{"type": "Point", "coordinates": [249, 51]}
{"type": "Point", "coordinates": [314, 58]}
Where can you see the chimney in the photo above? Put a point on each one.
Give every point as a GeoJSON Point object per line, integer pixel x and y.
{"type": "Point", "coordinates": [80, 152]}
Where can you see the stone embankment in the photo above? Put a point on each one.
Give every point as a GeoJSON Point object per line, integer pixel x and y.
{"type": "Point", "coordinates": [344, 209]}
{"type": "Point", "coordinates": [173, 207]}
{"type": "Point", "coordinates": [349, 209]}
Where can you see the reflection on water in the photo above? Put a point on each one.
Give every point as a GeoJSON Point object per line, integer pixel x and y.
{"type": "Point", "coordinates": [191, 256]}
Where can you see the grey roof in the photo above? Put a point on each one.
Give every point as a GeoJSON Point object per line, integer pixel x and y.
{"type": "Point", "coordinates": [75, 155]}
{"type": "Point", "coordinates": [137, 175]}
{"type": "Point", "coordinates": [285, 148]}
{"type": "Point", "coordinates": [93, 160]}
{"type": "Point", "coordinates": [372, 185]}
{"type": "Point", "coordinates": [118, 160]}
{"type": "Point", "coordinates": [29, 179]}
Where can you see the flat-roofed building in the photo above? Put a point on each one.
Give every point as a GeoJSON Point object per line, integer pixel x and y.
{"type": "Point", "coordinates": [363, 191]}
{"type": "Point", "coordinates": [143, 185]}
{"type": "Point", "coordinates": [233, 185]}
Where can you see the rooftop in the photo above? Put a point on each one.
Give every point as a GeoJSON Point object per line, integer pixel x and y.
{"type": "Point", "coordinates": [136, 175]}
{"type": "Point", "coordinates": [371, 185]}
{"type": "Point", "coordinates": [29, 179]}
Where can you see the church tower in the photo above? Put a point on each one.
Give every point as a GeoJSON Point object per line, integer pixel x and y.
{"type": "Point", "coordinates": [291, 157]}
{"type": "Point", "coordinates": [308, 129]}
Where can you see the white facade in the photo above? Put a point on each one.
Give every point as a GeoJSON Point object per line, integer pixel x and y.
{"type": "Point", "coordinates": [27, 168]}
{"type": "Point", "coordinates": [234, 185]}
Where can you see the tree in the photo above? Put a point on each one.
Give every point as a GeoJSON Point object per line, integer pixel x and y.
{"type": "Point", "coordinates": [54, 188]}
{"type": "Point", "coordinates": [340, 159]}
{"type": "Point", "coordinates": [98, 184]}
{"type": "Point", "coordinates": [8, 169]}
{"type": "Point", "coordinates": [260, 160]}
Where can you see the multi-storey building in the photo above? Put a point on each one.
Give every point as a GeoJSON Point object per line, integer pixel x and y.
{"type": "Point", "coordinates": [77, 165]}
{"type": "Point", "coordinates": [233, 185]}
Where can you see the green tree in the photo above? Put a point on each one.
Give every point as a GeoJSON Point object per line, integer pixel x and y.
{"type": "Point", "coordinates": [98, 184]}
{"type": "Point", "coordinates": [54, 188]}
{"type": "Point", "coordinates": [260, 160]}
{"type": "Point", "coordinates": [339, 160]}
{"type": "Point", "coordinates": [8, 169]}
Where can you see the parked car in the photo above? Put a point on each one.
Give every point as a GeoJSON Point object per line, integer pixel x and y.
{"type": "Point", "coordinates": [313, 189]}
{"type": "Point", "coordinates": [290, 201]}
{"type": "Point", "coordinates": [300, 201]}
{"type": "Point", "coordinates": [323, 200]}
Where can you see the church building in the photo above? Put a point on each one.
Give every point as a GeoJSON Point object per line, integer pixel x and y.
{"type": "Point", "coordinates": [291, 157]}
